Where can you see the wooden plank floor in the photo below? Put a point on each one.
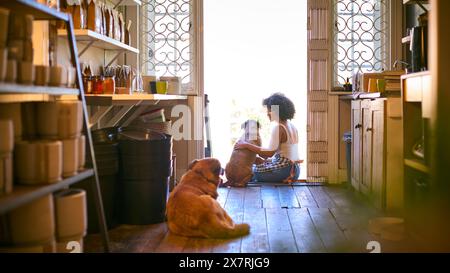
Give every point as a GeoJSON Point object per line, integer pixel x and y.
{"type": "Point", "coordinates": [282, 219]}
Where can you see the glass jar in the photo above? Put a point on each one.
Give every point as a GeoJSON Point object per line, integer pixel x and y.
{"type": "Point", "coordinates": [98, 85]}
{"type": "Point", "coordinates": [88, 84]}
{"type": "Point", "coordinates": [109, 85]}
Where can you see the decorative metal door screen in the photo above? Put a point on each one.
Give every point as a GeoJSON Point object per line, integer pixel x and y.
{"type": "Point", "coordinates": [167, 40]}
{"type": "Point", "coordinates": [361, 37]}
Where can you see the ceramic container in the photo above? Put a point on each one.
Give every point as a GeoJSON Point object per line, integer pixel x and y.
{"type": "Point", "coordinates": [70, 157]}
{"type": "Point", "coordinates": [38, 162]}
{"type": "Point", "coordinates": [71, 76]}
{"type": "Point", "coordinates": [6, 149]}
{"type": "Point", "coordinates": [32, 223]}
{"type": "Point", "coordinates": [11, 71]}
{"type": "Point", "coordinates": [59, 120]}
{"type": "Point", "coordinates": [16, 49]}
{"type": "Point", "coordinates": [71, 214]}
{"type": "Point", "coordinates": [58, 76]}
{"type": "Point", "coordinates": [44, 248]}
{"type": "Point", "coordinates": [42, 75]}
{"type": "Point", "coordinates": [4, 18]}
{"type": "Point", "coordinates": [6, 173]}
{"type": "Point", "coordinates": [81, 152]}
{"type": "Point", "coordinates": [13, 111]}
{"type": "Point", "coordinates": [6, 136]}
{"type": "Point", "coordinates": [26, 73]}
{"type": "Point", "coordinates": [3, 63]}
{"type": "Point", "coordinates": [29, 131]}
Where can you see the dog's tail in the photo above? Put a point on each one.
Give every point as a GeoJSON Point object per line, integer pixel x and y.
{"type": "Point", "coordinates": [226, 232]}
{"type": "Point", "coordinates": [218, 224]}
{"type": "Point", "coordinates": [239, 230]}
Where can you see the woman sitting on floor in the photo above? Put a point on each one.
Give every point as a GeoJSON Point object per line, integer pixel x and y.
{"type": "Point", "coordinates": [279, 162]}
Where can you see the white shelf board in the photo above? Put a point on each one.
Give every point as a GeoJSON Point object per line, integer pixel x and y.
{"type": "Point", "coordinates": [100, 41]}
{"type": "Point", "coordinates": [417, 165]}
{"type": "Point", "coordinates": [22, 195]}
{"type": "Point", "coordinates": [409, 2]}
{"type": "Point", "coordinates": [126, 2]}
{"type": "Point", "coordinates": [11, 92]}
{"type": "Point", "coordinates": [141, 99]}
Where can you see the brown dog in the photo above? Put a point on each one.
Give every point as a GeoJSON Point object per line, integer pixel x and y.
{"type": "Point", "coordinates": [192, 209]}
{"type": "Point", "coordinates": [239, 169]}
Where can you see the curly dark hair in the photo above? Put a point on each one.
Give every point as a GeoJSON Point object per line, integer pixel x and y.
{"type": "Point", "coordinates": [286, 106]}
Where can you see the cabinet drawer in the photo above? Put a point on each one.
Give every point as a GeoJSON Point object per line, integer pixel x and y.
{"type": "Point", "coordinates": [412, 89]}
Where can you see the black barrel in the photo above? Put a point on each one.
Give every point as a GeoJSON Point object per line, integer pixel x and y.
{"type": "Point", "coordinates": [107, 158]}
{"type": "Point", "coordinates": [108, 188]}
{"type": "Point", "coordinates": [145, 170]}
{"type": "Point", "coordinates": [143, 202]}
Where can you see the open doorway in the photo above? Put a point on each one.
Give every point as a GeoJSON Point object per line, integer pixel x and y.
{"type": "Point", "coordinates": [252, 49]}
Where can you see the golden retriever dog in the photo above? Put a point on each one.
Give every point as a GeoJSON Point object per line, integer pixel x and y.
{"type": "Point", "coordinates": [239, 169]}
{"type": "Point", "coordinates": [192, 208]}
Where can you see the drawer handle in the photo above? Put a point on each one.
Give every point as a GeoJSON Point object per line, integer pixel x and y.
{"type": "Point", "coordinates": [421, 184]}
{"type": "Point", "coordinates": [369, 129]}
{"type": "Point", "coordinates": [358, 126]}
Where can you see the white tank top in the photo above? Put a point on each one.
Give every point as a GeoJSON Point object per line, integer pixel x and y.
{"type": "Point", "coordinates": [288, 149]}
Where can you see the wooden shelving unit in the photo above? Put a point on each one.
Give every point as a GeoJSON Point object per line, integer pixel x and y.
{"type": "Point", "coordinates": [98, 40]}
{"type": "Point", "coordinates": [10, 93]}
{"type": "Point", "coordinates": [39, 11]}
{"type": "Point", "coordinates": [10, 88]}
{"type": "Point", "coordinates": [130, 107]}
{"type": "Point", "coordinates": [136, 99]}
{"type": "Point", "coordinates": [416, 111]}
{"type": "Point", "coordinates": [22, 195]}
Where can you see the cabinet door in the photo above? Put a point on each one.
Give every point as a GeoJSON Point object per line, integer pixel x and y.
{"type": "Point", "coordinates": [378, 151]}
{"type": "Point", "coordinates": [366, 179]}
{"type": "Point", "coordinates": [356, 144]}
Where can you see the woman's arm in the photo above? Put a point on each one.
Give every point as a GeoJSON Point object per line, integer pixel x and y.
{"type": "Point", "coordinates": [254, 148]}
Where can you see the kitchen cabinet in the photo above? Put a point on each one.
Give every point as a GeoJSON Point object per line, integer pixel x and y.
{"type": "Point", "coordinates": [376, 160]}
